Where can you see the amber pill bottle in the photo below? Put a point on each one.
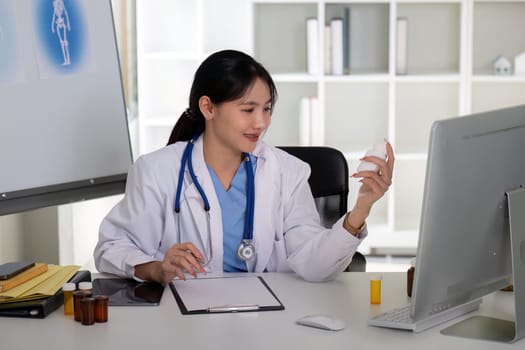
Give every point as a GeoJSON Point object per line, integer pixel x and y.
{"type": "Point", "coordinates": [78, 296]}
{"type": "Point", "coordinates": [87, 311]}
{"type": "Point", "coordinates": [101, 308]}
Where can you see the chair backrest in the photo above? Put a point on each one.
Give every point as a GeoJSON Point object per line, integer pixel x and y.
{"type": "Point", "coordinates": [328, 180]}
{"type": "Point", "coordinates": [329, 184]}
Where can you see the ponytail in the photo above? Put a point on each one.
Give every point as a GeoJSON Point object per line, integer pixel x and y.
{"type": "Point", "coordinates": [188, 125]}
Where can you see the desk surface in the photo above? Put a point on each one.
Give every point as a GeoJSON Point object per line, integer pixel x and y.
{"type": "Point", "coordinates": [347, 297]}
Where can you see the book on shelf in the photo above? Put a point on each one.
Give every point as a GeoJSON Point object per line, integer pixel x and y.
{"type": "Point", "coordinates": [337, 45]}
{"type": "Point", "coordinates": [310, 125]}
{"type": "Point", "coordinates": [317, 123]}
{"type": "Point", "coordinates": [346, 40]}
{"type": "Point", "coordinates": [336, 31]}
{"type": "Point", "coordinates": [305, 128]}
{"type": "Point", "coordinates": [24, 276]}
{"type": "Point", "coordinates": [327, 50]}
{"type": "Point", "coordinates": [402, 46]}
{"type": "Point", "coordinates": [312, 45]}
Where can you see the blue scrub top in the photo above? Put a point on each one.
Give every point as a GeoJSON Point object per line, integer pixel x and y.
{"type": "Point", "coordinates": [233, 209]}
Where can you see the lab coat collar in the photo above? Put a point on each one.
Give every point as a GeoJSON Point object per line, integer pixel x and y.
{"type": "Point", "coordinates": [197, 206]}
{"type": "Point", "coordinates": [261, 150]}
{"type": "Point", "coordinates": [266, 210]}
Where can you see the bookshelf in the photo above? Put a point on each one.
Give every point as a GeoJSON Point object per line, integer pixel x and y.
{"type": "Point", "coordinates": [451, 44]}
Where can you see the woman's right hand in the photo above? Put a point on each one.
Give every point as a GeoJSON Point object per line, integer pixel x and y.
{"type": "Point", "coordinates": [180, 258]}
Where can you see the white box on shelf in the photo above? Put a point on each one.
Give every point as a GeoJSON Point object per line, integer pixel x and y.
{"type": "Point", "coordinates": [310, 124]}
{"type": "Point", "coordinates": [401, 46]}
{"type": "Point", "coordinates": [519, 64]}
{"type": "Point", "coordinates": [327, 50]}
{"type": "Point", "coordinates": [317, 128]}
{"type": "Point", "coordinates": [305, 128]}
{"type": "Point", "coordinates": [336, 27]}
{"type": "Point", "coordinates": [312, 45]}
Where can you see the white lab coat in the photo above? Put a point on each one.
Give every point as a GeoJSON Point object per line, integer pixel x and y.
{"type": "Point", "coordinates": [287, 232]}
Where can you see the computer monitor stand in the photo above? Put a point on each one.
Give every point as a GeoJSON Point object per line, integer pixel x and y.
{"type": "Point", "coordinates": [488, 328]}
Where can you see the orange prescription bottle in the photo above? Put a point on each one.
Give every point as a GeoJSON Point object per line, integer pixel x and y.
{"type": "Point", "coordinates": [375, 289]}
{"type": "Point", "coordinates": [68, 289]}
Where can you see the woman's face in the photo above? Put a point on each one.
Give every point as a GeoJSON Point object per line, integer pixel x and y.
{"type": "Point", "coordinates": [240, 123]}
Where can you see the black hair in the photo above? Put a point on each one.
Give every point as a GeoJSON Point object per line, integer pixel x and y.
{"type": "Point", "coordinates": [223, 76]}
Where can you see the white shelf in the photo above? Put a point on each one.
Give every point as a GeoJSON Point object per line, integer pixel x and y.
{"type": "Point", "coordinates": [294, 78]}
{"type": "Point", "coordinates": [352, 156]}
{"type": "Point", "coordinates": [435, 78]}
{"type": "Point", "coordinates": [451, 47]}
{"type": "Point", "coordinates": [160, 56]}
{"type": "Point", "coordinates": [356, 78]}
{"type": "Point", "coordinates": [498, 79]}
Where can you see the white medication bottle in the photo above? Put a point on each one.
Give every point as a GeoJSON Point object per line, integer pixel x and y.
{"type": "Point", "coordinates": [86, 286]}
{"type": "Point", "coordinates": [378, 150]}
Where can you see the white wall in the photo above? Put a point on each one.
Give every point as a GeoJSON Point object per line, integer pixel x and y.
{"type": "Point", "coordinates": [11, 240]}
{"type": "Point", "coordinates": [79, 224]}
{"type": "Point", "coordinates": [64, 235]}
{"type": "Point", "coordinates": [32, 235]}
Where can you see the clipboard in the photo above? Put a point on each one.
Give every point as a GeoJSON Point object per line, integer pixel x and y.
{"type": "Point", "coordinates": [224, 295]}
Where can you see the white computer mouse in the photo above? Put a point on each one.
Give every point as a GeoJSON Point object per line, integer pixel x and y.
{"type": "Point", "coordinates": [322, 321]}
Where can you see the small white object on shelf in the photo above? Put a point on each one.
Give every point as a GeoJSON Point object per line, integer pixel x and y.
{"type": "Point", "coordinates": [501, 66]}
{"type": "Point", "coordinates": [305, 127]}
{"type": "Point", "coordinates": [312, 45]}
{"type": "Point", "coordinates": [316, 122]}
{"type": "Point", "coordinates": [336, 25]}
{"type": "Point", "coordinates": [401, 46]}
{"type": "Point", "coordinates": [309, 122]}
{"type": "Point", "coordinates": [327, 50]}
{"type": "Point", "coordinates": [519, 64]}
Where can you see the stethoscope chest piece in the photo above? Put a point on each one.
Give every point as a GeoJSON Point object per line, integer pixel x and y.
{"type": "Point", "coordinates": [246, 250]}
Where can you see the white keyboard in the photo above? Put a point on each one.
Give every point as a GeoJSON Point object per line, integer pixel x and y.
{"type": "Point", "coordinates": [400, 317]}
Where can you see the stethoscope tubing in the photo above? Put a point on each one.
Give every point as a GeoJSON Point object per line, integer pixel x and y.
{"type": "Point", "coordinates": [250, 200]}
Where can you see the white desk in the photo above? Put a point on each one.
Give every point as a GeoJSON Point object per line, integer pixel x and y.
{"type": "Point", "coordinates": [165, 327]}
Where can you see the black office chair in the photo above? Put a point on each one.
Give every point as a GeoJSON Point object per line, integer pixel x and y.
{"type": "Point", "coordinates": [329, 184]}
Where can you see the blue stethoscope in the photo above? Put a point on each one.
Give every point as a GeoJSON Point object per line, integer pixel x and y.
{"type": "Point", "coordinates": [246, 249]}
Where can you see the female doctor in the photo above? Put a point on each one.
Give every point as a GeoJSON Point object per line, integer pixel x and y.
{"type": "Point", "coordinates": [218, 198]}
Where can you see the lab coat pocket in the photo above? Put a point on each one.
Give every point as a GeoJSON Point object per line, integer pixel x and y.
{"type": "Point", "coordinates": [278, 260]}
{"type": "Point", "coordinates": [169, 232]}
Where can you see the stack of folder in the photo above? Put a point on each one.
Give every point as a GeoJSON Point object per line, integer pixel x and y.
{"type": "Point", "coordinates": [40, 294]}
{"type": "Point", "coordinates": [37, 269]}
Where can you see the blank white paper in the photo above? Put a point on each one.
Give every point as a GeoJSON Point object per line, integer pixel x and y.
{"type": "Point", "coordinates": [204, 293]}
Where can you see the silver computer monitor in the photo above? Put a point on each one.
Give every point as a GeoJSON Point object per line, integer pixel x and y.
{"type": "Point", "coordinates": [464, 243]}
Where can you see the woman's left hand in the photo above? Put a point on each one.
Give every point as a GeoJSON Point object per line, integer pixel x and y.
{"type": "Point", "coordinates": [375, 183]}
